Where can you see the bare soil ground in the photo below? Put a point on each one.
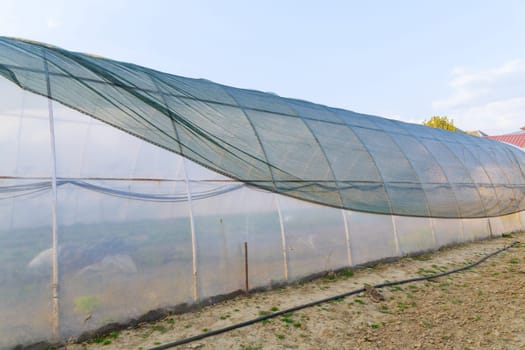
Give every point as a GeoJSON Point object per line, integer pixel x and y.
{"type": "Point", "coordinates": [481, 308]}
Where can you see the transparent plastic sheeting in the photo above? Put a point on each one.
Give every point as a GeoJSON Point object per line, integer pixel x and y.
{"type": "Point", "coordinates": [141, 228]}
{"type": "Point", "coordinates": [325, 155]}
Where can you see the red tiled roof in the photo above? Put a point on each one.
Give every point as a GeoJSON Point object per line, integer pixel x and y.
{"type": "Point", "coordinates": [515, 139]}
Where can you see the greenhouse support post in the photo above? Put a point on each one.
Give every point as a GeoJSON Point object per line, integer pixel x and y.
{"type": "Point", "coordinates": [347, 238]}
{"type": "Point", "coordinates": [193, 238]}
{"type": "Point", "coordinates": [54, 246]}
{"type": "Point", "coordinates": [283, 238]}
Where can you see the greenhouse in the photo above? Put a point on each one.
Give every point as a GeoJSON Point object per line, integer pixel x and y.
{"type": "Point", "coordinates": [125, 190]}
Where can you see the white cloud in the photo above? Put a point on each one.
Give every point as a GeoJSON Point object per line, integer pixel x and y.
{"type": "Point", "coordinates": [492, 100]}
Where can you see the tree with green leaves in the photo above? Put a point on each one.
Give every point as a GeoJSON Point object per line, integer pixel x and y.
{"type": "Point", "coordinates": [441, 122]}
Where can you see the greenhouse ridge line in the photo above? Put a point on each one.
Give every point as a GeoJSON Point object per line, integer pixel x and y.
{"type": "Point", "coordinates": [322, 301]}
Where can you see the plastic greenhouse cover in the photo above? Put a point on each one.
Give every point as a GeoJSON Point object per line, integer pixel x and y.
{"type": "Point", "coordinates": [304, 150]}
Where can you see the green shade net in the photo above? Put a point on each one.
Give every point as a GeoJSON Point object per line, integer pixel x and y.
{"type": "Point", "coordinates": [308, 151]}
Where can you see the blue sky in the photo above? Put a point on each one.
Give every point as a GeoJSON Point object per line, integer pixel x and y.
{"type": "Point", "coordinates": [404, 60]}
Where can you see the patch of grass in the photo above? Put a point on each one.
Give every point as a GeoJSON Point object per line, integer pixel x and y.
{"type": "Point", "coordinates": [159, 328]}
{"type": "Point", "coordinates": [426, 272]}
{"type": "Point", "coordinates": [274, 309]}
{"type": "Point", "coordinates": [444, 284]}
{"type": "Point", "coordinates": [297, 324]}
{"type": "Point", "coordinates": [359, 301]}
{"type": "Point", "coordinates": [280, 336]}
{"type": "Point", "coordinates": [513, 261]}
{"type": "Point", "coordinates": [113, 335]}
{"type": "Point", "coordinates": [170, 321]}
{"type": "Point", "coordinates": [402, 306]}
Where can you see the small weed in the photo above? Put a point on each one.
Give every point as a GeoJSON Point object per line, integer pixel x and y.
{"type": "Point", "coordinates": [330, 276]}
{"type": "Point", "coordinates": [287, 319]}
{"type": "Point", "coordinates": [251, 347]}
{"type": "Point", "coordinates": [274, 309]}
{"type": "Point", "coordinates": [157, 343]}
{"type": "Point", "coordinates": [410, 296]}
{"type": "Point", "coordinates": [374, 325]}
{"type": "Point", "coordinates": [513, 261]}
{"type": "Point", "coordinates": [280, 336]}
{"type": "Point", "coordinates": [145, 335]}
{"type": "Point", "coordinates": [297, 324]}
{"type": "Point", "coordinates": [338, 300]}
{"type": "Point", "coordinates": [346, 273]}
{"type": "Point", "coordinates": [188, 325]}
{"type": "Point", "coordinates": [427, 324]}
{"type": "Point", "coordinates": [413, 287]}
{"type": "Point", "coordinates": [205, 329]}
{"type": "Point", "coordinates": [98, 340]}
{"type": "Point", "coordinates": [264, 322]}
{"type": "Point", "coordinates": [478, 317]}
{"type": "Point", "coordinates": [264, 313]}
{"type": "Point", "coordinates": [113, 335]}
{"type": "Point", "coordinates": [170, 320]}
{"type": "Point", "coordinates": [371, 266]}
{"type": "Point", "coordinates": [359, 301]}
{"type": "Point", "coordinates": [396, 288]}
{"type": "Point", "coordinates": [506, 235]}
{"type": "Point", "coordinates": [106, 342]}
{"type": "Point", "coordinates": [384, 309]}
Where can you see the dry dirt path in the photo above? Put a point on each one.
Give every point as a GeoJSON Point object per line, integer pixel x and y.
{"type": "Point", "coordinates": [481, 308]}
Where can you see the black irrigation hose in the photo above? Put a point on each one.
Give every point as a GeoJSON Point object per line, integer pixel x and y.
{"type": "Point", "coordinates": [322, 301]}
